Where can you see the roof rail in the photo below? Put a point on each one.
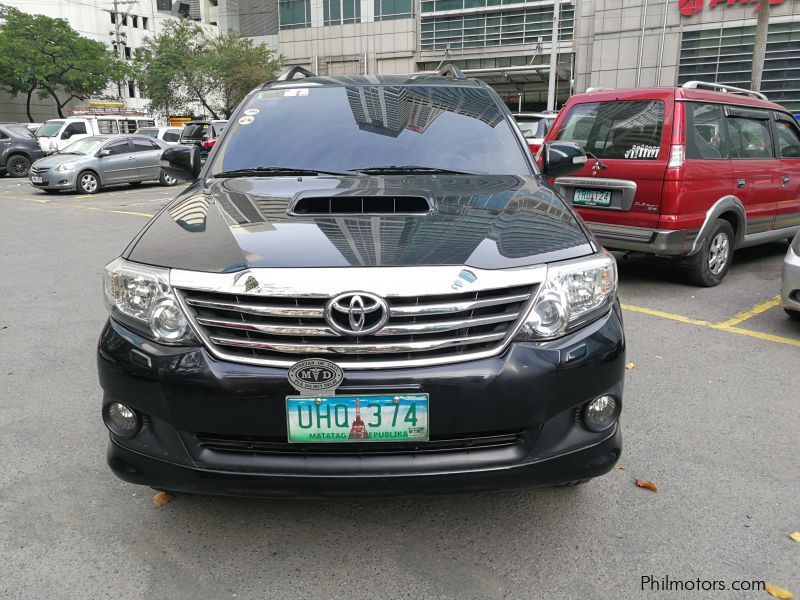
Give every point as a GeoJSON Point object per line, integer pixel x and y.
{"type": "Point", "coordinates": [293, 70]}
{"type": "Point", "coordinates": [598, 89]}
{"type": "Point", "coordinates": [699, 85]}
{"type": "Point", "coordinates": [451, 70]}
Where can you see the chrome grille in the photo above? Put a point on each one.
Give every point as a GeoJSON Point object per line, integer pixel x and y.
{"type": "Point", "coordinates": [39, 170]}
{"type": "Point", "coordinates": [280, 330]}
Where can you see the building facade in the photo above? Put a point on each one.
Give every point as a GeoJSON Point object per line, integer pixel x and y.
{"type": "Point", "coordinates": [601, 43]}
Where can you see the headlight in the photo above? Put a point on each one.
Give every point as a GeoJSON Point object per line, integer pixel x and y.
{"type": "Point", "coordinates": [65, 166]}
{"type": "Point", "coordinates": [796, 244]}
{"type": "Point", "coordinates": [53, 146]}
{"type": "Point", "coordinates": [140, 296]}
{"type": "Point", "coordinates": [574, 293]}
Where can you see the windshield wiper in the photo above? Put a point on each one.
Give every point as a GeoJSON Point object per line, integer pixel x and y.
{"type": "Point", "coordinates": [279, 171]}
{"type": "Point", "coordinates": [409, 169]}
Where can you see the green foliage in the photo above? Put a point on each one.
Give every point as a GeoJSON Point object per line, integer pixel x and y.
{"type": "Point", "coordinates": [46, 56]}
{"type": "Point", "coordinates": [185, 66]}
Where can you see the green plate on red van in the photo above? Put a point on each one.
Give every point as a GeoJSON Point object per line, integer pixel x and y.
{"type": "Point", "coordinates": [586, 197]}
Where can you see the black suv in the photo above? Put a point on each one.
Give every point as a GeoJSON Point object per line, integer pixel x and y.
{"type": "Point", "coordinates": [19, 148]}
{"type": "Point", "coordinates": [368, 289]}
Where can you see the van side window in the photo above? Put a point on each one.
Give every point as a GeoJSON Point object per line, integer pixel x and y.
{"type": "Point", "coordinates": [750, 138]}
{"type": "Point", "coordinates": [107, 126]}
{"type": "Point", "coordinates": [146, 123]}
{"type": "Point", "coordinates": [127, 126]}
{"type": "Point", "coordinates": [788, 139]}
{"type": "Point", "coordinates": [705, 131]}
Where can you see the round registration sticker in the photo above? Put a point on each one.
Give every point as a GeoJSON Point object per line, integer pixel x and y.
{"type": "Point", "coordinates": [251, 112]}
{"type": "Point", "coordinates": [246, 120]}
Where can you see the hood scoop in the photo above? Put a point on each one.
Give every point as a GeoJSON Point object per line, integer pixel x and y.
{"type": "Point", "coordinates": [360, 205]}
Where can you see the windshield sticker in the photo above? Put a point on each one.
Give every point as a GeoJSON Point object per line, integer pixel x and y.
{"type": "Point", "coordinates": [296, 92]}
{"type": "Point", "coordinates": [642, 151]}
{"type": "Point", "coordinates": [270, 95]}
{"type": "Point", "coordinates": [246, 120]}
{"type": "Point", "coordinates": [251, 112]}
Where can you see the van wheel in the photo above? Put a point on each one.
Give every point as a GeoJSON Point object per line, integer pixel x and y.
{"type": "Point", "coordinates": [167, 180]}
{"type": "Point", "coordinates": [708, 267]}
{"type": "Point", "coordinates": [18, 165]}
{"type": "Point", "coordinates": [88, 183]}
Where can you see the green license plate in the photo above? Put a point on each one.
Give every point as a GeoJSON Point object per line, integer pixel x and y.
{"type": "Point", "coordinates": [367, 418]}
{"type": "Point", "coordinates": [592, 197]}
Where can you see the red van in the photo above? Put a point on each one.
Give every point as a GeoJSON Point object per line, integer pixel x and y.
{"type": "Point", "coordinates": [692, 172]}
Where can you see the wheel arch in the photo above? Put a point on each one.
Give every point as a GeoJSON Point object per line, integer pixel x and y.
{"type": "Point", "coordinates": [732, 210]}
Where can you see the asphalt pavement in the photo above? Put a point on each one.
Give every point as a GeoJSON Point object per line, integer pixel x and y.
{"type": "Point", "coordinates": [711, 417]}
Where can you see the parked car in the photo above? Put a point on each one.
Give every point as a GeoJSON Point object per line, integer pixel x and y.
{"type": "Point", "coordinates": [341, 303]}
{"type": "Point", "coordinates": [790, 288]}
{"type": "Point", "coordinates": [18, 149]}
{"type": "Point", "coordinates": [202, 133]}
{"type": "Point", "coordinates": [57, 134]}
{"type": "Point", "coordinates": [93, 162]}
{"type": "Point", "coordinates": [534, 127]}
{"type": "Point", "coordinates": [692, 173]}
{"type": "Point", "coordinates": [168, 135]}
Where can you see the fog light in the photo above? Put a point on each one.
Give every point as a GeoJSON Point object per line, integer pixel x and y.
{"type": "Point", "coordinates": [121, 420]}
{"type": "Point", "coordinates": [600, 413]}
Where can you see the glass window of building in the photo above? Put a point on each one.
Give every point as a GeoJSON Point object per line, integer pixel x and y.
{"type": "Point", "coordinates": [725, 55]}
{"type": "Point", "coordinates": [336, 12]}
{"type": "Point", "coordinates": [294, 14]}
{"type": "Point", "coordinates": [386, 10]}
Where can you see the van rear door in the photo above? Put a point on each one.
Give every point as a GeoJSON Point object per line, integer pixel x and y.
{"type": "Point", "coordinates": [629, 140]}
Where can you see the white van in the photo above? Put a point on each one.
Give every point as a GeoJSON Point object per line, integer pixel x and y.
{"type": "Point", "coordinates": [55, 134]}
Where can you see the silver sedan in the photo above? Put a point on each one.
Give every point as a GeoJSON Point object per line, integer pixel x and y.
{"type": "Point", "coordinates": [93, 162]}
{"type": "Point", "coordinates": [790, 289]}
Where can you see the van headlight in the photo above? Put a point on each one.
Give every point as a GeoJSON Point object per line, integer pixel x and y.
{"type": "Point", "coordinates": [140, 297]}
{"type": "Point", "coordinates": [574, 293]}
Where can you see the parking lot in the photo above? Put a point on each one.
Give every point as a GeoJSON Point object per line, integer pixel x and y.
{"type": "Point", "coordinates": [711, 417]}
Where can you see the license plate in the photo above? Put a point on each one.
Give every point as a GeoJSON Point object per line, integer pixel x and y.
{"type": "Point", "coordinates": [35, 179]}
{"type": "Point", "coordinates": [592, 197]}
{"type": "Point", "coordinates": [367, 418]}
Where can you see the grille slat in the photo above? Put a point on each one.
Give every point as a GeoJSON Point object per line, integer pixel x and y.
{"type": "Point", "coordinates": [257, 445]}
{"type": "Point", "coordinates": [280, 330]}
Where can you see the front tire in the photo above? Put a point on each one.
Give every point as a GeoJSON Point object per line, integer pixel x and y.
{"type": "Point", "coordinates": [88, 182]}
{"type": "Point", "coordinates": [18, 165]}
{"type": "Point", "coordinates": [167, 180]}
{"type": "Point", "coordinates": [709, 266]}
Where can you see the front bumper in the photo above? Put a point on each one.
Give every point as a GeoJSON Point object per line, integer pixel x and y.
{"type": "Point", "coordinates": [790, 281]}
{"type": "Point", "coordinates": [663, 242]}
{"type": "Point", "coordinates": [530, 396]}
{"type": "Point", "coordinates": [56, 180]}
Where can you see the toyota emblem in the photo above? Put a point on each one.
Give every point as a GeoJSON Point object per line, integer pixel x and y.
{"type": "Point", "coordinates": [356, 313]}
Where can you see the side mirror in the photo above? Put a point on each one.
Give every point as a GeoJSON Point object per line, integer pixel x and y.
{"type": "Point", "coordinates": [182, 162]}
{"type": "Point", "coordinates": [562, 158]}
{"type": "Point", "coordinates": [103, 152]}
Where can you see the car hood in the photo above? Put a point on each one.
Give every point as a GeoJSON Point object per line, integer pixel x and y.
{"type": "Point", "coordinates": [487, 222]}
{"type": "Point", "coordinates": [48, 162]}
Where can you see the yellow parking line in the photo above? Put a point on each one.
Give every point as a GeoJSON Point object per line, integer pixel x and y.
{"type": "Point", "coordinates": [666, 315]}
{"type": "Point", "coordinates": [727, 326]}
{"type": "Point", "coordinates": [756, 310]}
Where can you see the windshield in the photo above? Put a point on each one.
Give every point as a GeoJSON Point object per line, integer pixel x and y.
{"type": "Point", "coordinates": [195, 131]}
{"type": "Point", "coordinates": [49, 129]}
{"type": "Point", "coordinates": [628, 129]}
{"type": "Point", "coordinates": [82, 146]}
{"type": "Point", "coordinates": [361, 127]}
{"type": "Point", "coordinates": [533, 128]}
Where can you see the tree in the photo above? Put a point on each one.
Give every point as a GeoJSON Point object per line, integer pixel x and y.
{"type": "Point", "coordinates": [184, 66]}
{"type": "Point", "coordinates": [42, 55]}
